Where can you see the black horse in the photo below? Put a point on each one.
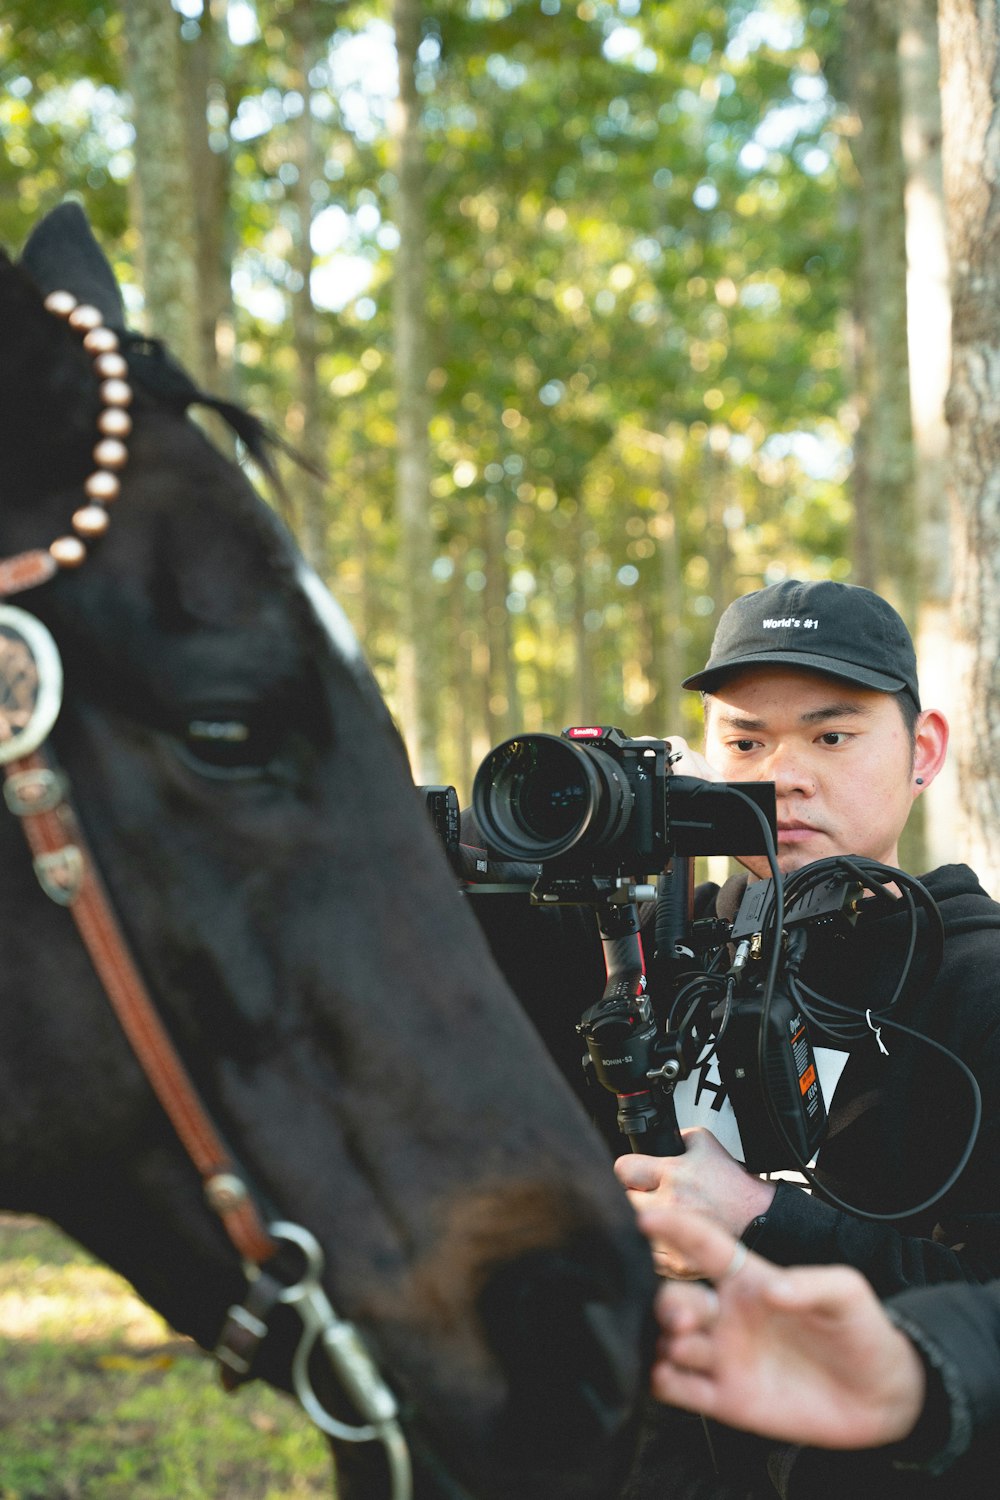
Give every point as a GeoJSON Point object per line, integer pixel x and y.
{"type": "Point", "coordinates": [248, 805]}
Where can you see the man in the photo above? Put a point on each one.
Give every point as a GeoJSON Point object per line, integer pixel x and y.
{"type": "Point", "coordinates": [814, 686]}
{"type": "Point", "coordinates": [810, 1354]}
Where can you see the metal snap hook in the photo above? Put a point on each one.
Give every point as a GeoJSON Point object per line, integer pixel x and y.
{"type": "Point", "coordinates": [350, 1360]}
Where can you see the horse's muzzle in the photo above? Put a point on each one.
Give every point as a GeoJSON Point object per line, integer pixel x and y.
{"type": "Point", "coordinates": [573, 1348]}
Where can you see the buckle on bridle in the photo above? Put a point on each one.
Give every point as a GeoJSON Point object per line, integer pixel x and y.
{"type": "Point", "coordinates": [39, 789]}
{"type": "Point", "coordinates": [61, 874]}
{"type": "Point", "coordinates": [245, 1329]}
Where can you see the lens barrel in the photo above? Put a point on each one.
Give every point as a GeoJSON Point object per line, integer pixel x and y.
{"type": "Point", "coordinates": [538, 796]}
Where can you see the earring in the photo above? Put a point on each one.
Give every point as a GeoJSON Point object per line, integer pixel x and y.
{"type": "Point", "coordinates": [920, 781]}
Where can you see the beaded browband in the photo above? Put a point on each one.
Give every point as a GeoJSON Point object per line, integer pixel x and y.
{"type": "Point", "coordinates": [103, 486]}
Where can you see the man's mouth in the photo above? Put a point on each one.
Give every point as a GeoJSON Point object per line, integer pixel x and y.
{"type": "Point", "coordinates": [790, 833]}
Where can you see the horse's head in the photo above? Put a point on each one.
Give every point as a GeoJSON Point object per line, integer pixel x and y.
{"type": "Point", "coordinates": [250, 809]}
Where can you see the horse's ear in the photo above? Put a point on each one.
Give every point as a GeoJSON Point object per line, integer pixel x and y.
{"type": "Point", "coordinates": [48, 395]}
{"type": "Point", "coordinates": [62, 255]}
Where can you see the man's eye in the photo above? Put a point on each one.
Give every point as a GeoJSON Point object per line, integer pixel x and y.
{"type": "Point", "coordinates": [744, 745]}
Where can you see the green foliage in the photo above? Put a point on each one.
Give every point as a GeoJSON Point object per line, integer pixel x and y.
{"type": "Point", "coordinates": [637, 270]}
{"type": "Point", "coordinates": [61, 117]}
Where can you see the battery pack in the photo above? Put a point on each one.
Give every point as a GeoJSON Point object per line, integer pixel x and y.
{"type": "Point", "coordinates": [789, 1083]}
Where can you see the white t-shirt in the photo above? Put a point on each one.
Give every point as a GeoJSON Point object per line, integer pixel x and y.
{"type": "Point", "coordinates": [702, 1099]}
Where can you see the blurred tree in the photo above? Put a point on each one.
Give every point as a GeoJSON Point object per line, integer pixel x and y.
{"type": "Point", "coordinates": [928, 302]}
{"type": "Point", "coordinates": [883, 548]}
{"type": "Point", "coordinates": [164, 197]}
{"type": "Point", "coordinates": [202, 60]}
{"type": "Point", "coordinates": [417, 677]}
{"type": "Point", "coordinates": [970, 38]}
{"type": "Point", "coordinates": [307, 38]}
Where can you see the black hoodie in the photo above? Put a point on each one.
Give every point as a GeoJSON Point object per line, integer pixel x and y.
{"type": "Point", "coordinates": [899, 1123]}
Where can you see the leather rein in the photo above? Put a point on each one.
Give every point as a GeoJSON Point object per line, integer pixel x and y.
{"type": "Point", "coordinates": [37, 792]}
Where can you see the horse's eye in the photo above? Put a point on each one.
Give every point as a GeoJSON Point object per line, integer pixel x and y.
{"type": "Point", "coordinates": [228, 745]}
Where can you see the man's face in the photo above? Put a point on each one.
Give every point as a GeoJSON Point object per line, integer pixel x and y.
{"type": "Point", "coordinates": [839, 755]}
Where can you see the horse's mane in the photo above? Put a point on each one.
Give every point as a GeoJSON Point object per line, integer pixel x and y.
{"type": "Point", "coordinates": [154, 368]}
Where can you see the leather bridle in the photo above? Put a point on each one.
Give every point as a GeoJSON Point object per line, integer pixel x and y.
{"type": "Point", "coordinates": [37, 794]}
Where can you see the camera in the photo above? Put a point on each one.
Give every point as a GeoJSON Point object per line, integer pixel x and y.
{"type": "Point", "coordinates": [592, 812]}
{"type": "Point", "coordinates": [592, 802]}
{"type": "Point", "coordinates": [579, 819]}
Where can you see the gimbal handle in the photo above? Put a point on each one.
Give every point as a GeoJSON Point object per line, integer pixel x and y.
{"type": "Point", "coordinates": [621, 1033]}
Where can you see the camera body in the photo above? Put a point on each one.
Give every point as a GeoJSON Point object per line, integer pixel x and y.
{"type": "Point", "coordinates": [591, 805]}
{"type": "Point", "coordinates": [588, 795]}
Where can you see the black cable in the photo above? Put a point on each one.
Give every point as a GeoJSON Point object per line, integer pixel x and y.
{"type": "Point", "coordinates": [699, 990]}
{"type": "Point", "coordinates": [824, 1012]}
{"type": "Point", "coordinates": [909, 1213]}
{"type": "Point", "coordinates": [869, 875]}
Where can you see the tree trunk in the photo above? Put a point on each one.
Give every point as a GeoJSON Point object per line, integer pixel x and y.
{"type": "Point", "coordinates": [717, 483]}
{"type": "Point", "coordinates": [666, 609]}
{"type": "Point", "coordinates": [164, 181]}
{"type": "Point", "coordinates": [971, 138]}
{"type": "Point", "coordinates": [865, 545]}
{"type": "Point", "coordinates": [884, 414]}
{"type": "Point", "coordinates": [669, 653]}
{"type": "Point", "coordinates": [585, 683]}
{"type": "Point", "coordinates": [462, 725]}
{"type": "Point", "coordinates": [929, 339]}
{"type": "Point", "coordinates": [415, 658]}
{"type": "Point", "coordinates": [306, 415]}
{"type": "Point", "coordinates": [209, 156]}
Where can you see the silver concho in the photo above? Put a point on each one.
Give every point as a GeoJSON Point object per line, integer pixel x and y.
{"type": "Point", "coordinates": [30, 683]}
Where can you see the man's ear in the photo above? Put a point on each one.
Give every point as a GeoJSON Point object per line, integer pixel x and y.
{"type": "Point", "coordinates": [929, 748]}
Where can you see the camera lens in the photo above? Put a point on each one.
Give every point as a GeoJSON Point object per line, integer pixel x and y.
{"type": "Point", "coordinates": [537, 796]}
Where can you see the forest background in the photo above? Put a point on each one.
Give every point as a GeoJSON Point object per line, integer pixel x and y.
{"type": "Point", "coordinates": [596, 315]}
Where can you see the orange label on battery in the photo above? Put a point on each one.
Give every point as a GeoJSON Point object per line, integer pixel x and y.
{"type": "Point", "coordinates": [807, 1080]}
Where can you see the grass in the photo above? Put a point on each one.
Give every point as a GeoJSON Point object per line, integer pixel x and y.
{"type": "Point", "coordinates": [100, 1400]}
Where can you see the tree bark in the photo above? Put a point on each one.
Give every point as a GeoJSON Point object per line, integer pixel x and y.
{"type": "Point", "coordinates": [164, 181]}
{"type": "Point", "coordinates": [971, 150]}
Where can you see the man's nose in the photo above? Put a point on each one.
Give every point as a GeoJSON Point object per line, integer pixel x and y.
{"type": "Point", "coordinates": [789, 769]}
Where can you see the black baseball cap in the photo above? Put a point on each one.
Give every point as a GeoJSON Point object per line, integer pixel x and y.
{"type": "Point", "coordinates": [840, 629]}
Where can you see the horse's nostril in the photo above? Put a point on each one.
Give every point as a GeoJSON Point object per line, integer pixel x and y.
{"type": "Point", "coordinates": [618, 1361]}
{"type": "Point", "coordinates": [569, 1352]}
